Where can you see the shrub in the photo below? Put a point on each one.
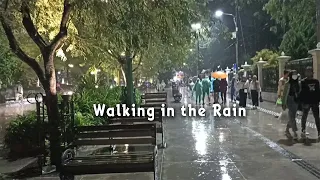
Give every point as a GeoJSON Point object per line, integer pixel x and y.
{"type": "Point", "coordinates": [22, 134]}
{"type": "Point", "coordinates": [85, 97]}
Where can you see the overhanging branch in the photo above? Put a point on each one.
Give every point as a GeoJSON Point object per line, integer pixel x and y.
{"type": "Point", "coordinates": [30, 27]}
{"type": "Point", "coordinates": [13, 43]}
{"type": "Point", "coordinates": [59, 38]}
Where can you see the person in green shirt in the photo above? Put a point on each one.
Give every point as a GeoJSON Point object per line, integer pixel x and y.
{"type": "Point", "coordinates": [198, 89]}
{"type": "Point", "coordinates": [206, 88]}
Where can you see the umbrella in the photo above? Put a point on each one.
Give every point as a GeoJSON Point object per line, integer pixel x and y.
{"type": "Point", "coordinates": [219, 75]}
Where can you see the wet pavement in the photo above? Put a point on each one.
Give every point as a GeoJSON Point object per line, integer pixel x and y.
{"type": "Point", "coordinates": [213, 148]}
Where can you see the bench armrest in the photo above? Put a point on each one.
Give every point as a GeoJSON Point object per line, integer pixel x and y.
{"type": "Point", "coordinates": [71, 146]}
{"type": "Point", "coordinates": [155, 151]}
{"type": "Point", "coordinates": [67, 155]}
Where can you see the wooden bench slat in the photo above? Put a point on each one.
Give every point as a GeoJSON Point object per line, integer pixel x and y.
{"type": "Point", "coordinates": [135, 120]}
{"type": "Point", "coordinates": [149, 105]}
{"type": "Point", "coordinates": [112, 157]}
{"type": "Point", "coordinates": [113, 127]}
{"type": "Point", "coordinates": [164, 101]}
{"type": "Point", "coordinates": [102, 168]}
{"type": "Point", "coordinates": [115, 141]}
{"type": "Point", "coordinates": [131, 133]}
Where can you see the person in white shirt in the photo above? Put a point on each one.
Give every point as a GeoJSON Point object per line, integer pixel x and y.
{"type": "Point", "coordinates": [243, 87]}
{"type": "Point", "coordinates": [191, 85]}
{"type": "Point", "coordinates": [158, 85]}
{"type": "Point", "coordinates": [255, 90]}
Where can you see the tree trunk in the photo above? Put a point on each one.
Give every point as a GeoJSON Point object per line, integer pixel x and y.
{"type": "Point", "coordinates": [52, 110]}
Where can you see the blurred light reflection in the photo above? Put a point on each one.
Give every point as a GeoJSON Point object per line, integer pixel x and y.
{"type": "Point", "coordinates": [200, 136]}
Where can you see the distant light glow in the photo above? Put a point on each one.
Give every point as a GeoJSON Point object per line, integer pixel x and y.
{"type": "Point", "coordinates": [196, 26]}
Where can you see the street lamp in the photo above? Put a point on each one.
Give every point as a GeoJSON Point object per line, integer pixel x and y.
{"type": "Point", "coordinates": [196, 28]}
{"type": "Point", "coordinates": [220, 13]}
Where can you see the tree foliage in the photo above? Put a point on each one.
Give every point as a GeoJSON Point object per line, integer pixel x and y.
{"type": "Point", "coordinates": [266, 55]}
{"type": "Point", "coordinates": [297, 18]}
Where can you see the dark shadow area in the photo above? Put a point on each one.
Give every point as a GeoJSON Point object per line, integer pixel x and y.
{"type": "Point", "coordinates": [306, 142]}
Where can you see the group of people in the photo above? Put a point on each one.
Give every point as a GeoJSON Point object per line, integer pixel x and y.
{"type": "Point", "coordinates": [244, 87]}
{"type": "Point", "coordinates": [161, 86]}
{"type": "Point", "coordinates": [299, 94]}
{"type": "Point", "coordinates": [208, 86]}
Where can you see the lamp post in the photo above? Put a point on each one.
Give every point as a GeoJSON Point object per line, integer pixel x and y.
{"type": "Point", "coordinates": [196, 28]}
{"type": "Point", "coordinates": [219, 13]}
{"type": "Point", "coordinates": [129, 76]}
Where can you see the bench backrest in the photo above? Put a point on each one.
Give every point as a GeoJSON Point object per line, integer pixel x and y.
{"type": "Point", "coordinates": [157, 118]}
{"type": "Point", "coordinates": [115, 135]}
{"type": "Point", "coordinates": [154, 95]}
{"type": "Point", "coordinates": [156, 105]}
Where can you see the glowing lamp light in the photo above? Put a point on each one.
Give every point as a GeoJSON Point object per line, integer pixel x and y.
{"type": "Point", "coordinates": [219, 13]}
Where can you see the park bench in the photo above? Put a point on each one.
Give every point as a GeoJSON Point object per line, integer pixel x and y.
{"type": "Point", "coordinates": [158, 120]}
{"type": "Point", "coordinates": [126, 162]}
{"type": "Point", "coordinates": [159, 98]}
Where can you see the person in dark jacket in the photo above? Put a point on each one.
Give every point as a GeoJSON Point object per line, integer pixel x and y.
{"type": "Point", "coordinates": [233, 88]}
{"type": "Point", "coordinates": [216, 87]}
{"type": "Point", "coordinates": [309, 98]}
{"type": "Point", "coordinates": [223, 89]}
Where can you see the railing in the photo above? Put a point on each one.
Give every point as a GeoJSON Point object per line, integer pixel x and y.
{"type": "Point", "coordinates": [299, 65]}
{"type": "Point", "coordinates": [270, 79]}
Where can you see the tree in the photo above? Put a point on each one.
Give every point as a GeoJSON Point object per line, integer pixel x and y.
{"type": "Point", "coordinates": [11, 14]}
{"type": "Point", "coordinates": [297, 18]}
{"type": "Point", "coordinates": [123, 30]}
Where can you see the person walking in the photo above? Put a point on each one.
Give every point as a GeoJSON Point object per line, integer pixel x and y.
{"type": "Point", "coordinates": [205, 89]}
{"type": "Point", "coordinates": [191, 85]}
{"type": "Point", "coordinates": [223, 89]}
{"type": "Point", "coordinates": [243, 87]}
{"type": "Point", "coordinates": [158, 85]}
{"type": "Point", "coordinates": [281, 84]}
{"type": "Point", "coordinates": [198, 89]}
{"type": "Point", "coordinates": [299, 112]}
{"type": "Point", "coordinates": [163, 85]}
{"type": "Point", "coordinates": [249, 92]}
{"type": "Point", "coordinates": [216, 87]}
{"type": "Point", "coordinates": [290, 100]}
{"type": "Point", "coordinates": [255, 90]}
{"type": "Point", "coordinates": [212, 88]}
{"type": "Point", "coordinates": [309, 98]}
{"type": "Point", "coordinates": [233, 88]}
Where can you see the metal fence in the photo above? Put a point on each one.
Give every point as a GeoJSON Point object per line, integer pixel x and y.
{"type": "Point", "coordinates": [270, 79]}
{"type": "Point", "coordinates": [299, 65]}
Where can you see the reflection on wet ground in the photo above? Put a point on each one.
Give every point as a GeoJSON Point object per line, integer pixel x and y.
{"type": "Point", "coordinates": [211, 148]}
